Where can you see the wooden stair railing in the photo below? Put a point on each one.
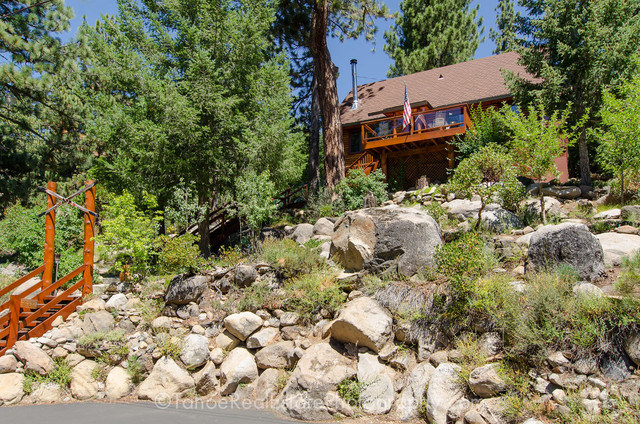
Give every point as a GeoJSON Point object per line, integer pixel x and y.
{"type": "Point", "coordinates": [31, 313]}
{"type": "Point", "coordinates": [366, 162]}
{"type": "Point", "coordinates": [294, 197]}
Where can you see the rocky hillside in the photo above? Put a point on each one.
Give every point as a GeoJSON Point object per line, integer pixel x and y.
{"type": "Point", "coordinates": [394, 311]}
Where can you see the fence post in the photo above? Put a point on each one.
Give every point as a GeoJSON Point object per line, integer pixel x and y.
{"type": "Point", "coordinates": [89, 234]}
{"type": "Point", "coordinates": [14, 320]}
{"type": "Point", "coordinates": [49, 240]}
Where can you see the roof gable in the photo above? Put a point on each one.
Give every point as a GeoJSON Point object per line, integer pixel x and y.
{"type": "Point", "coordinates": [466, 82]}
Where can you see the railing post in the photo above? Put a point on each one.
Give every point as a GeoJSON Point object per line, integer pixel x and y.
{"type": "Point", "coordinates": [89, 234]}
{"type": "Point", "coordinates": [14, 320]}
{"type": "Point", "coordinates": [49, 239]}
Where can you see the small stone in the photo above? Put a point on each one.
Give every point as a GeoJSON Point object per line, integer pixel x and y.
{"type": "Point", "coordinates": [289, 318]}
{"type": "Point", "coordinates": [8, 364]}
{"type": "Point", "coordinates": [559, 396]}
{"type": "Point", "coordinates": [226, 341]}
{"type": "Point", "coordinates": [216, 355]}
{"type": "Point", "coordinates": [262, 338]}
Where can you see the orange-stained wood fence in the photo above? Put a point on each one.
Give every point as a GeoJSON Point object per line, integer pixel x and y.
{"type": "Point", "coordinates": [32, 312]}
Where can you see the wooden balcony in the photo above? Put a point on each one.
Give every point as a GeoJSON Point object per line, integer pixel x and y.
{"type": "Point", "coordinates": [431, 127]}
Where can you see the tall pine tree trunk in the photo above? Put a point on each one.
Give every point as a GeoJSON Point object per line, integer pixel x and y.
{"type": "Point", "coordinates": [203, 227]}
{"type": "Point", "coordinates": [314, 138]}
{"type": "Point", "coordinates": [327, 95]}
{"type": "Point", "coordinates": [585, 171]}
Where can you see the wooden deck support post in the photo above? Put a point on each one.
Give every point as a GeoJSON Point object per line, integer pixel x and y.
{"type": "Point", "coordinates": [89, 234]}
{"type": "Point", "coordinates": [383, 163]}
{"type": "Point", "coordinates": [49, 239]}
{"type": "Point", "coordinates": [452, 156]}
{"type": "Point", "coordinates": [14, 319]}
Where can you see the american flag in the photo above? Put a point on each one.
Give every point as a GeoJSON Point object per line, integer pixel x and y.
{"type": "Point", "coordinates": [406, 115]}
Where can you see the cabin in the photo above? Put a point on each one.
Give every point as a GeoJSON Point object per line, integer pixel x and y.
{"type": "Point", "coordinates": [440, 100]}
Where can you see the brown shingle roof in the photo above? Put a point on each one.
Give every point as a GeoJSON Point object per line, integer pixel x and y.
{"type": "Point", "coordinates": [467, 82]}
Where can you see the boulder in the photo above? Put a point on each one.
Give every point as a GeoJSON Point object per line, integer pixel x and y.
{"type": "Point", "coordinates": [268, 384]}
{"type": "Point", "coordinates": [277, 355]}
{"type": "Point", "coordinates": [243, 324]}
{"type": "Point", "coordinates": [412, 394]}
{"type": "Point", "coordinates": [318, 372]}
{"type": "Point", "coordinates": [47, 393]}
{"type": "Point", "coordinates": [617, 246]}
{"type": "Point", "coordinates": [562, 192]}
{"type": "Point", "coordinates": [570, 244]}
{"type": "Point", "coordinates": [363, 321]}
{"type": "Point", "coordinates": [11, 388]}
{"type": "Point", "coordinates": [302, 233]}
{"type": "Point", "coordinates": [97, 322]}
{"type": "Point", "coordinates": [323, 227]}
{"type": "Point", "coordinates": [8, 364]}
{"type": "Point", "coordinates": [83, 386]}
{"type": "Point", "coordinates": [206, 380]}
{"type": "Point", "coordinates": [467, 208]}
{"type": "Point", "coordinates": [486, 382]}
{"type": "Point", "coordinates": [161, 324]}
{"type": "Point", "coordinates": [377, 394]}
{"type": "Point", "coordinates": [245, 275]}
{"type": "Point", "coordinates": [445, 388]}
{"type": "Point", "coordinates": [262, 338]}
{"type": "Point", "coordinates": [195, 350]}
{"type": "Point", "coordinates": [582, 288]}
{"type": "Point", "coordinates": [608, 214]}
{"type": "Point", "coordinates": [226, 341]}
{"type": "Point", "coordinates": [458, 410]}
{"type": "Point", "coordinates": [95, 304]}
{"type": "Point", "coordinates": [632, 347]}
{"type": "Point", "coordinates": [238, 367]}
{"type": "Point", "coordinates": [117, 302]}
{"type": "Point", "coordinates": [217, 355]}
{"type": "Point", "coordinates": [500, 220]}
{"type": "Point", "coordinates": [33, 358]}
{"type": "Point", "coordinates": [118, 384]}
{"type": "Point", "coordinates": [288, 319]}
{"type": "Point", "coordinates": [552, 207]}
{"type": "Point", "coordinates": [630, 213]}
{"type": "Point", "coordinates": [377, 239]}
{"type": "Point", "coordinates": [166, 380]}
{"type": "Point", "coordinates": [182, 290]}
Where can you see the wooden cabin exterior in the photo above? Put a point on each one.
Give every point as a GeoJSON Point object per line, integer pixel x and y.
{"type": "Point", "coordinates": [440, 99]}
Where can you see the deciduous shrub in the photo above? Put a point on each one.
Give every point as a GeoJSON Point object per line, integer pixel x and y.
{"type": "Point", "coordinates": [309, 294]}
{"type": "Point", "coordinates": [178, 254]}
{"type": "Point", "coordinates": [289, 258]}
{"type": "Point", "coordinates": [357, 185]}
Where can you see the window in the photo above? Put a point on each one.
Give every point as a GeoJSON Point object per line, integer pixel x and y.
{"type": "Point", "coordinates": [355, 142]}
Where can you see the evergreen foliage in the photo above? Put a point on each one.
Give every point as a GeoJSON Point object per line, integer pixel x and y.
{"type": "Point", "coordinates": [353, 189]}
{"type": "Point", "coordinates": [576, 48]}
{"type": "Point", "coordinates": [40, 110]}
{"type": "Point", "coordinates": [432, 33]}
{"type": "Point", "coordinates": [505, 36]}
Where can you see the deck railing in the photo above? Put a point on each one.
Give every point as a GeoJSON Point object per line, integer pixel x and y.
{"type": "Point", "coordinates": [421, 123]}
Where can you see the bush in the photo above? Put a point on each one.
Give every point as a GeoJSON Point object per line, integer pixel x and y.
{"type": "Point", "coordinates": [311, 293]}
{"type": "Point", "coordinates": [468, 256]}
{"type": "Point", "coordinates": [289, 258]}
{"type": "Point", "coordinates": [255, 199]}
{"type": "Point", "coordinates": [357, 185]}
{"type": "Point", "coordinates": [129, 233]}
{"type": "Point", "coordinates": [178, 254]}
{"type": "Point", "coordinates": [22, 235]}
{"type": "Point", "coordinates": [350, 390]}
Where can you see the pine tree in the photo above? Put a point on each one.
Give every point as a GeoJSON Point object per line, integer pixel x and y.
{"type": "Point", "coordinates": [432, 33]}
{"type": "Point", "coordinates": [505, 36]}
{"type": "Point", "coordinates": [189, 93]}
{"type": "Point", "coordinates": [576, 49]}
{"type": "Point", "coordinates": [40, 111]}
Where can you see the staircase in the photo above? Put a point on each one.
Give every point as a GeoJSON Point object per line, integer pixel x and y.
{"type": "Point", "coordinates": [32, 311]}
{"type": "Point", "coordinates": [366, 162]}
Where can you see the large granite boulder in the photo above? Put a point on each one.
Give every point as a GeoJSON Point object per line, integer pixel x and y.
{"type": "Point", "coordinates": [317, 375]}
{"type": "Point", "coordinates": [617, 246]}
{"type": "Point", "coordinates": [363, 321]}
{"type": "Point", "coordinates": [413, 392]}
{"type": "Point", "coordinates": [83, 386]}
{"type": "Point", "coordinates": [11, 388]}
{"type": "Point", "coordinates": [467, 208]}
{"type": "Point", "coordinates": [33, 358]}
{"type": "Point", "coordinates": [166, 380]}
{"type": "Point", "coordinates": [377, 239]}
{"type": "Point", "coordinates": [242, 324]}
{"type": "Point", "coordinates": [552, 207]}
{"type": "Point", "coordinates": [195, 350]}
{"type": "Point", "coordinates": [377, 394]}
{"type": "Point", "coordinates": [183, 290]}
{"type": "Point", "coordinates": [445, 388]}
{"type": "Point", "coordinates": [238, 367]}
{"type": "Point", "coordinates": [570, 244]}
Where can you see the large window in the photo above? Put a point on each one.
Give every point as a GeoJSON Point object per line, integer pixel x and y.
{"type": "Point", "coordinates": [355, 142]}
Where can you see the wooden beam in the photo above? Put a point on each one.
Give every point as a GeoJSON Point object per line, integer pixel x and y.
{"type": "Point", "coordinates": [49, 237]}
{"type": "Point", "coordinates": [420, 151]}
{"type": "Point", "coordinates": [89, 235]}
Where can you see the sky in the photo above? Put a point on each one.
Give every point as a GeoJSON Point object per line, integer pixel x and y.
{"type": "Point", "coordinates": [373, 62]}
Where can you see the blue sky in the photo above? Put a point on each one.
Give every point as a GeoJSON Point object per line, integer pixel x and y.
{"type": "Point", "coordinates": [372, 65]}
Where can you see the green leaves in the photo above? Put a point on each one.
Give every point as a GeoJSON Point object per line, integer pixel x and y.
{"type": "Point", "coordinates": [431, 34]}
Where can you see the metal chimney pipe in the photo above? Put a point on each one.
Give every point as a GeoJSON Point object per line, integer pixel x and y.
{"type": "Point", "coordinates": [354, 81]}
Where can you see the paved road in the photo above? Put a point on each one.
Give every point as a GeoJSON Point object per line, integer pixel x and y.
{"type": "Point", "coordinates": [134, 413]}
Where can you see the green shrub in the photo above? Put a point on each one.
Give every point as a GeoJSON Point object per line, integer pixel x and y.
{"type": "Point", "coordinates": [128, 233]}
{"type": "Point", "coordinates": [289, 258]}
{"type": "Point", "coordinates": [169, 348]}
{"type": "Point", "coordinates": [357, 185]}
{"type": "Point", "coordinates": [22, 234]}
{"type": "Point", "coordinates": [437, 212]}
{"type": "Point", "coordinates": [468, 256]}
{"type": "Point", "coordinates": [178, 254]}
{"type": "Point", "coordinates": [255, 199]}
{"type": "Point", "coordinates": [135, 369]}
{"type": "Point", "coordinates": [258, 296]}
{"type": "Point", "coordinates": [310, 293]}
